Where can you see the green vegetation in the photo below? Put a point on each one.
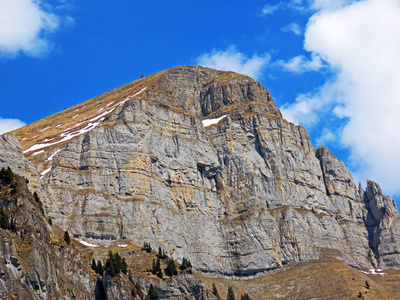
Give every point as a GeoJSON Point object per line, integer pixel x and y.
{"type": "Point", "coordinates": [245, 297]}
{"type": "Point", "coordinates": [215, 291]}
{"type": "Point", "coordinates": [170, 270]}
{"type": "Point", "coordinates": [231, 294]}
{"type": "Point", "coordinates": [4, 222]}
{"type": "Point", "coordinates": [7, 174]}
{"type": "Point", "coordinates": [136, 290]}
{"type": "Point", "coordinates": [115, 264]}
{"type": "Point", "coordinates": [67, 238]}
{"type": "Point", "coordinates": [147, 247]}
{"type": "Point", "coordinates": [186, 264]}
{"type": "Point", "coordinates": [161, 253]}
{"type": "Point", "coordinates": [152, 293]}
{"type": "Point", "coordinates": [367, 285]}
{"type": "Point", "coordinates": [14, 188]}
{"type": "Point", "coordinates": [156, 268]}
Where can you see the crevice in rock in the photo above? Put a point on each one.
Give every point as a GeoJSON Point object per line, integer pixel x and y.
{"type": "Point", "coordinates": [319, 153]}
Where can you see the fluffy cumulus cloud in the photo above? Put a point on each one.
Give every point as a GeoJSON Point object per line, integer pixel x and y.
{"type": "Point", "coordinates": [233, 60]}
{"type": "Point", "coordinates": [301, 64]}
{"type": "Point", "coordinates": [292, 27]}
{"type": "Point", "coordinates": [360, 42]}
{"type": "Point", "coordinates": [23, 27]}
{"type": "Point", "coordinates": [7, 125]}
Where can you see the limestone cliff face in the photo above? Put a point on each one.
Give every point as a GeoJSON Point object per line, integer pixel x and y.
{"type": "Point", "coordinates": [239, 197]}
{"type": "Point", "coordinates": [35, 264]}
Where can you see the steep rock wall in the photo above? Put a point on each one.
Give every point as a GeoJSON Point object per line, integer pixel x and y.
{"type": "Point", "coordinates": [241, 197]}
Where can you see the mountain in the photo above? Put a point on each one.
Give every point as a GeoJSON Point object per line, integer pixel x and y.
{"type": "Point", "coordinates": [201, 163]}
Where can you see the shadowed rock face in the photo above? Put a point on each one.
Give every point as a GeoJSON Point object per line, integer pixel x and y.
{"type": "Point", "coordinates": [241, 197]}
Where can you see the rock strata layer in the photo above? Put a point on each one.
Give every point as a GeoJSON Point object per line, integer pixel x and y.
{"type": "Point", "coordinates": [241, 197]}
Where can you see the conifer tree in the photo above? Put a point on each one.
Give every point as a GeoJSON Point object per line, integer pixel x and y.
{"type": "Point", "coordinates": [152, 293]}
{"type": "Point", "coordinates": [160, 254]}
{"type": "Point", "coordinates": [147, 247]}
{"type": "Point", "coordinates": [99, 268]}
{"type": "Point", "coordinates": [245, 297]}
{"type": "Point", "coordinates": [66, 237]}
{"type": "Point", "coordinates": [367, 285]}
{"type": "Point", "coordinates": [171, 268]}
{"type": "Point", "coordinates": [158, 265]}
{"type": "Point", "coordinates": [124, 266]}
{"type": "Point", "coordinates": [231, 294]}
{"type": "Point", "coordinates": [4, 222]}
{"type": "Point", "coordinates": [154, 268]}
{"type": "Point", "coordinates": [160, 274]}
{"type": "Point", "coordinates": [215, 291]}
{"type": "Point", "coordinates": [94, 266]}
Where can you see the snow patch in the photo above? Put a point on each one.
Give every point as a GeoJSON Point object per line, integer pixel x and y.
{"type": "Point", "coordinates": [66, 136]}
{"type": "Point", "coordinates": [51, 156]}
{"type": "Point", "coordinates": [88, 244]}
{"type": "Point", "coordinates": [48, 140]}
{"type": "Point", "coordinates": [374, 272]}
{"type": "Point", "coordinates": [36, 153]}
{"type": "Point", "coordinates": [123, 246]}
{"type": "Point", "coordinates": [45, 172]}
{"type": "Point", "coordinates": [75, 116]}
{"type": "Point", "coordinates": [90, 124]}
{"type": "Point", "coordinates": [209, 122]}
{"type": "Point", "coordinates": [41, 130]}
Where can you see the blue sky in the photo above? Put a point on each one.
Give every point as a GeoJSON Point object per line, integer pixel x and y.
{"type": "Point", "coordinates": [330, 65]}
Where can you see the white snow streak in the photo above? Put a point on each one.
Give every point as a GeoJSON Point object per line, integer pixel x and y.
{"type": "Point", "coordinates": [374, 272]}
{"type": "Point", "coordinates": [66, 135]}
{"type": "Point", "coordinates": [36, 153]}
{"type": "Point", "coordinates": [88, 244]}
{"type": "Point", "coordinates": [123, 246]}
{"type": "Point", "coordinates": [45, 172]}
{"type": "Point", "coordinates": [41, 130]}
{"type": "Point", "coordinates": [51, 156]}
{"type": "Point", "coordinates": [209, 122]}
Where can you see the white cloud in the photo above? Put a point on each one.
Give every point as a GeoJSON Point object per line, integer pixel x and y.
{"type": "Point", "coordinates": [292, 27]}
{"type": "Point", "coordinates": [23, 25]}
{"type": "Point", "coordinates": [309, 108]}
{"type": "Point", "coordinates": [301, 64]}
{"type": "Point", "coordinates": [233, 60]}
{"type": "Point", "coordinates": [270, 9]}
{"type": "Point", "coordinates": [329, 4]}
{"type": "Point", "coordinates": [326, 137]}
{"type": "Point", "coordinates": [7, 125]}
{"type": "Point", "coordinates": [360, 41]}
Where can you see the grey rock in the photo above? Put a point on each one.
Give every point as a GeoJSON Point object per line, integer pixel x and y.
{"type": "Point", "coordinates": [239, 198]}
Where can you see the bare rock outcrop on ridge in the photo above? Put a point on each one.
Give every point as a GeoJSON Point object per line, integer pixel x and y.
{"type": "Point", "coordinates": [239, 198]}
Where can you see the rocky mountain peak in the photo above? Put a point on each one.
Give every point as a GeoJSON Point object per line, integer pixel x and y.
{"type": "Point", "coordinates": [201, 163]}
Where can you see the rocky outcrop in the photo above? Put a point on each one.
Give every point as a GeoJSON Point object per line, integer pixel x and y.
{"type": "Point", "coordinates": [11, 156]}
{"type": "Point", "coordinates": [35, 264]}
{"type": "Point", "coordinates": [241, 197]}
{"type": "Point", "coordinates": [383, 223]}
